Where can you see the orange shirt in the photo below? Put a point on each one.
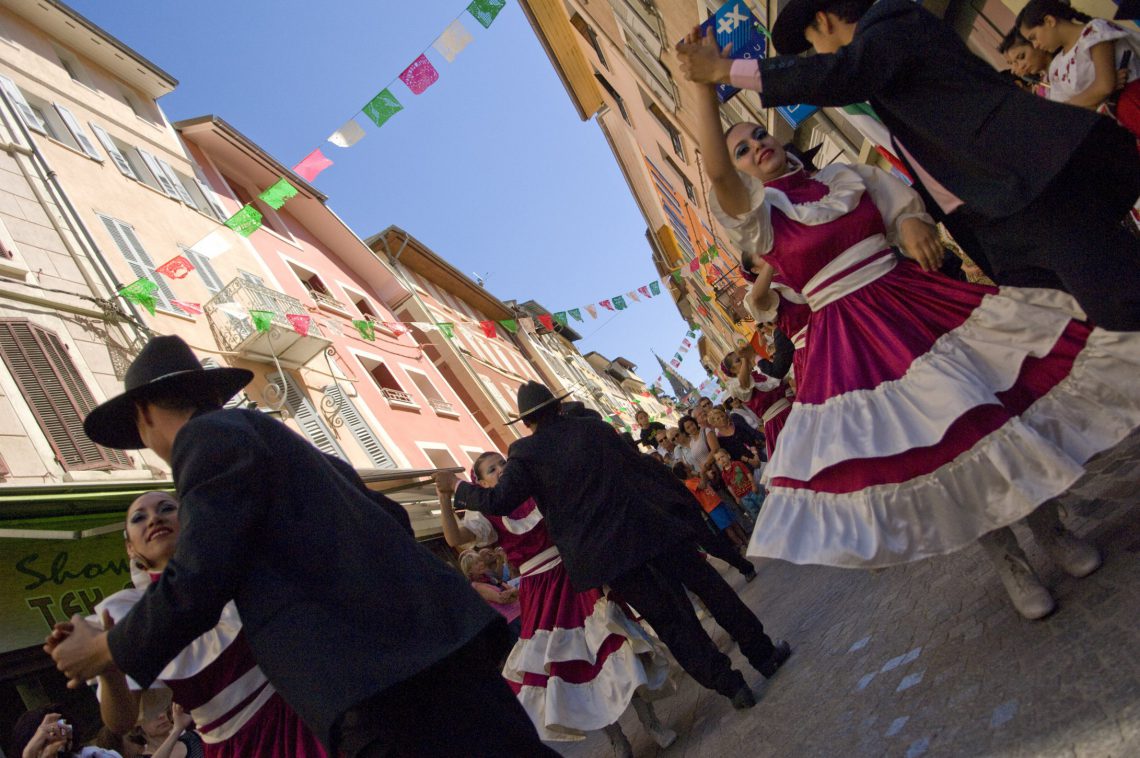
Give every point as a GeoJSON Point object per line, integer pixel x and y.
{"type": "Point", "coordinates": [708, 499]}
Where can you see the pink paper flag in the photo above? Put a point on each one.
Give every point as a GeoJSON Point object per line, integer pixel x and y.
{"type": "Point", "coordinates": [592, 311]}
{"type": "Point", "coordinates": [300, 322]}
{"type": "Point", "coordinates": [694, 265]}
{"type": "Point", "coordinates": [644, 291]}
{"type": "Point", "coordinates": [313, 164]}
{"type": "Point", "coordinates": [194, 309]}
{"type": "Point", "coordinates": [420, 75]}
{"type": "Point", "coordinates": [395, 327]}
{"type": "Point", "coordinates": [606, 304]}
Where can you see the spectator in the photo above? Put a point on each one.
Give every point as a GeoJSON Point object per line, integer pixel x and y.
{"type": "Point", "coordinates": [700, 484]}
{"type": "Point", "coordinates": [648, 429]}
{"type": "Point", "coordinates": [740, 482]}
{"type": "Point", "coordinates": [48, 732]}
{"type": "Point", "coordinates": [498, 594]}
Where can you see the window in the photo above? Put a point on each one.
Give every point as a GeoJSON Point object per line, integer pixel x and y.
{"type": "Point", "coordinates": [73, 67]}
{"type": "Point", "coordinates": [690, 190]}
{"type": "Point", "coordinates": [591, 36]}
{"type": "Point", "coordinates": [210, 196]}
{"type": "Point", "coordinates": [124, 237]}
{"type": "Point", "coordinates": [428, 390]}
{"type": "Point", "coordinates": [472, 455]}
{"type": "Point", "coordinates": [81, 138]}
{"type": "Point", "coordinates": [115, 150]}
{"type": "Point", "coordinates": [362, 304]}
{"type": "Point", "coordinates": [204, 268]}
{"type": "Point", "coordinates": [667, 125]}
{"type": "Point", "coordinates": [306, 416]}
{"type": "Point", "coordinates": [56, 394]}
{"type": "Point", "coordinates": [16, 98]}
{"type": "Point", "coordinates": [618, 101]}
{"type": "Point", "coordinates": [440, 458]}
{"type": "Point", "coordinates": [384, 378]}
{"type": "Point", "coordinates": [359, 429]}
{"type": "Point", "coordinates": [387, 383]}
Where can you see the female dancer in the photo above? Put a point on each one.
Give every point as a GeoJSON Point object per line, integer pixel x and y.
{"type": "Point", "coordinates": [580, 659]}
{"type": "Point", "coordinates": [930, 412]}
{"type": "Point", "coordinates": [235, 708]}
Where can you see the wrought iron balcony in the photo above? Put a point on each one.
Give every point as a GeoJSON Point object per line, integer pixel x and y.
{"type": "Point", "coordinates": [328, 301]}
{"type": "Point", "coordinates": [442, 406]}
{"type": "Point", "coordinates": [234, 331]}
{"type": "Point", "coordinates": [396, 397]}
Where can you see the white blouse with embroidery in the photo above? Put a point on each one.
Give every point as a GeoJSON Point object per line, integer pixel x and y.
{"type": "Point", "coordinates": [1072, 72]}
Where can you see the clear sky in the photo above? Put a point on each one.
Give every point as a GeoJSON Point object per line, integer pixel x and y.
{"type": "Point", "coordinates": [491, 167]}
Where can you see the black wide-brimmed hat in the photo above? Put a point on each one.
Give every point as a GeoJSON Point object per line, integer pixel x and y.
{"type": "Point", "coordinates": [532, 397]}
{"type": "Point", "coordinates": [791, 20]}
{"type": "Point", "coordinates": [166, 367]}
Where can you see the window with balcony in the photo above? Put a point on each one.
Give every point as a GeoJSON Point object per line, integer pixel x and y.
{"type": "Point", "coordinates": [387, 383]}
{"type": "Point", "coordinates": [362, 304]}
{"type": "Point", "coordinates": [317, 288]}
{"type": "Point", "coordinates": [428, 390]}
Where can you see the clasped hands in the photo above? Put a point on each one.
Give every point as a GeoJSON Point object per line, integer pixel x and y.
{"type": "Point", "coordinates": [702, 60]}
{"type": "Point", "coordinates": [79, 649]}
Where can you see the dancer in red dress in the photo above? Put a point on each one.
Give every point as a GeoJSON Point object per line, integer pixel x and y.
{"type": "Point", "coordinates": [580, 659]}
{"type": "Point", "coordinates": [930, 412]}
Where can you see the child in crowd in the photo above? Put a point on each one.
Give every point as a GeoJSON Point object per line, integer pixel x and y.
{"type": "Point", "coordinates": [740, 482]}
{"type": "Point", "coordinates": [720, 514]}
{"type": "Point", "coordinates": [1026, 61]}
{"type": "Point", "coordinates": [498, 594]}
{"type": "Point", "coordinates": [1089, 51]}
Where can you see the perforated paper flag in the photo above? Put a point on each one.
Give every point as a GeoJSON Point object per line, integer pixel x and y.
{"type": "Point", "coordinates": [485, 11]}
{"type": "Point", "coordinates": [633, 296]}
{"type": "Point", "coordinates": [348, 134]}
{"type": "Point", "coordinates": [276, 194]}
{"type": "Point", "coordinates": [300, 322]}
{"type": "Point", "coordinates": [213, 244]}
{"type": "Point", "coordinates": [510, 325]}
{"type": "Point", "coordinates": [452, 41]}
{"type": "Point", "coordinates": [547, 321]}
{"type": "Point", "coordinates": [605, 304]}
{"type": "Point", "coordinates": [193, 309]}
{"type": "Point", "coordinates": [312, 165]}
{"type": "Point", "coordinates": [489, 329]}
{"type": "Point", "coordinates": [676, 276]}
{"type": "Point", "coordinates": [176, 268]}
{"type": "Point", "coordinates": [396, 328]}
{"type": "Point", "coordinates": [366, 328]}
{"type": "Point", "coordinates": [382, 107]}
{"type": "Point", "coordinates": [575, 314]}
{"type": "Point", "coordinates": [141, 292]}
{"type": "Point", "coordinates": [694, 265]}
{"type": "Point", "coordinates": [419, 75]}
{"type": "Point", "coordinates": [262, 320]}
{"type": "Point", "coordinates": [655, 288]}
{"type": "Point", "coordinates": [560, 317]}
{"type": "Point", "coordinates": [645, 291]}
{"type": "Point", "coordinates": [592, 311]}
{"type": "Point", "coordinates": [246, 221]}
{"type": "Point", "coordinates": [447, 328]}
{"type": "Point", "coordinates": [619, 302]}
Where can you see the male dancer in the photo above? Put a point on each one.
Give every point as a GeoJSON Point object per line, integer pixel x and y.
{"type": "Point", "coordinates": [600, 501]}
{"type": "Point", "coordinates": [1041, 185]}
{"type": "Point", "coordinates": [298, 543]}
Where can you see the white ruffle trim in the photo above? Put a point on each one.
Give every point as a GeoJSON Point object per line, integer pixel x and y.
{"type": "Point", "coordinates": [964, 368]}
{"type": "Point", "coordinates": [563, 711]}
{"type": "Point", "coordinates": [1000, 480]}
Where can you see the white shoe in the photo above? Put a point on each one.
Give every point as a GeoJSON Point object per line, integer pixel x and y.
{"type": "Point", "coordinates": [1075, 556]}
{"type": "Point", "coordinates": [1025, 591]}
{"type": "Point", "coordinates": [662, 735]}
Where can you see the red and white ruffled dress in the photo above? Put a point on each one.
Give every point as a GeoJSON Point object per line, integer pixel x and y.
{"type": "Point", "coordinates": [767, 397]}
{"type": "Point", "coordinates": [580, 657]}
{"type": "Point", "coordinates": [930, 411]}
{"type": "Point", "coordinates": [216, 679]}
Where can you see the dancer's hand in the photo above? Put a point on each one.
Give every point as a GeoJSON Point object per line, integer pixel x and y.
{"type": "Point", "coordinates": [701, 59]}
{"type": "Point", "coordinates": [83, 655]}
{"type": "Point", "coordinates": [445, 483]}
{"type": "Point", "coordinates": [920, 242]}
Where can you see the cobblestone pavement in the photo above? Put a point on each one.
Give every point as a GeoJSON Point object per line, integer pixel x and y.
{"type": "Point", "coordinates": [931, 660]}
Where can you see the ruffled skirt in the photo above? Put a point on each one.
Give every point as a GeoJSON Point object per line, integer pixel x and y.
{"type": "Point", "coordinates": [930, 412]}
{"type": "Point", "coordinates": [580, 658]}
{"type": "Point", "coordinates": [275, 731]}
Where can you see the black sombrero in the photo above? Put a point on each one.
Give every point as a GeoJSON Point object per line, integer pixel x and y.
{"type": "Point", "coordinates": [791, 20]}
{"type": "Point", "coordinates": [532, 397]}
{"type": "Point", "coordinates": [166, 366]}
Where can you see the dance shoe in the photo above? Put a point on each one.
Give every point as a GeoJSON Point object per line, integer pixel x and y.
{"type": "Point", "coordinates": [743, 698]}
{"type": "Point", "coordinates": [780, 654]}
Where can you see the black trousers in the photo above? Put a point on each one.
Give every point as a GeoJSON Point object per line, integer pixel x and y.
{"type": "Point", "coordinates": [1071, 237]}
{"type": "Point", "coordinates": [459, 706]}
{"type": "Point", "coordinates": [656, 590]}
{"type": "Point", "coordinates": [719, 546]}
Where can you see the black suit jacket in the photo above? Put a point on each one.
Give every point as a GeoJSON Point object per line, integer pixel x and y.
{"type": "Point", "coordinates": [990, 143]}
{"type": "Point", "coordinates": [606, 508]}
{"type": "Point", "coordinates": [336, 599]}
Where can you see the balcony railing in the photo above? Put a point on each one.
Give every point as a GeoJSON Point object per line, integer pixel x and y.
{"type": "Point", "coordinates": [442, 406]}
{"type": "Point", "coordinates": [397, 397]}
{"type": "Point", "coordinates": [234, 331]}
{"type": "Point", "coordinates": [328, 301]}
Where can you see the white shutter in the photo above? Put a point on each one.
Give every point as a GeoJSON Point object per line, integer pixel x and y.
{"type": "Point", "coordinates": [17, 98]}
{"type": "Point", "coordinates": [85, 143]}
{"type": "Point", "coordinates": [208, 193]}
{"type": "Point", "coordinates": [138, 259]}
{"type": "Point", "coordinates": [159, 175]}
{"type": "Point", "coordinates": [172, 175]}
{"type": "Point", "coordinates": [205, 269]}
{"type": "Point", "coordinates": [112, 149]}
{"type": "Point", "coordinates": [306, 416]}
{"type": "Point", "coordinates": [356, 424]}
{"type": "Point", "coordinates": [252, 278]}
{"type": "Point", "coordinates": [234, 401]}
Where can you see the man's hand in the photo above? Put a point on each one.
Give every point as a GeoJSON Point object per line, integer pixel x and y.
{"type": "Point", "coordinates": [701, 60]}
{"type": "Point", "coordinates": [83, 654]}
{"type": "Point", "coordinates": [445, 483]}
{"type": "Point", "coordinates": [919, 242]}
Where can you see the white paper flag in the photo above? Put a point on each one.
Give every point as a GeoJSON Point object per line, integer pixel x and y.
{"type": "Point", "coordinates": [234, 310]}
{"type": "Point", "coordinates": [348, 134]}
{"type": "Point", "coordinates": [213, 244]}
{"type": "Point", "coordinates": [454, 38]}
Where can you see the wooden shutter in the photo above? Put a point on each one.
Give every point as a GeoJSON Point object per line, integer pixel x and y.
{"type": "Point", "coordinates": [172, 175]}
{"type": "Point", "coordinates": [139, 260]}
{"type": "Point", "coordinates": [205, 269]}
{"type": "Point", "coordinates": [85, 143]}
{"type": "Point", "coordinates": [356, 424]}
{"type": "Point", "coordinates": [112, 149]}
{"type": "Point", "coordinates": [307, 416]}
{"type": "Point", "coordinates": [235, 401]}
{"type": "Point", "coordinates": [56, 394]}
{"type": "Point", "coordinates": [16, 97]}
{"type": "Point", "coordinates": [159, 175]}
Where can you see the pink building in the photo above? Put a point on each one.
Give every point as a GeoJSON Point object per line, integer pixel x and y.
{"type": "Point", "coordinates": [379, 402]}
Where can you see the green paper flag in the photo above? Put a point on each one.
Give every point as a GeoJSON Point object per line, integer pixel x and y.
{"type": "Point", "coordinates": [262, 320]}
{"type": "Point", "coordinates": [448, 329]}
{"type": "Point", "coordinates": [655, 288]}
{"type": "Point", "coordinates": [141, 292]}
{"type": "Point", "coordinates": [713, 252]}
{"type": "Point", "coordinates": [276, 195]}
{"type": "Point", "coordinates": [677, 276]}
{"type": "Point", "coordinates": [704, 258]}
{"type": "Point", "coordinates": [560, 317]}
{"type": "Point", "coordinates": [382, 107]}
{"type": "Point", "coordinates": [485, 11]}
{"type": "Point", "coordinates": [706, 298]}
{"type": "Point", "coordinates": [510, 325]}
{"type": "Point", "coordinates": [619, 302]}
{"type": "Point", "coordinates": [246, 221]}
{"type": "Point", "coordinates": [577, 314]}
{"type": "Point", "coordinates": [366, 328]}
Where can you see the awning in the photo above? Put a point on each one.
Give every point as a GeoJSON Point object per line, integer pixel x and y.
{"type": "Point", "coordinates": [415, 490]}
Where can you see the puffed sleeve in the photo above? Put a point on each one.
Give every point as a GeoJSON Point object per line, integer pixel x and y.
{"type": "Point", "coordinates": [752, 231]}
{"type": "Point", "coordinates": [477, 524]}
{"type": "Point", "coordinates": [894, 199]}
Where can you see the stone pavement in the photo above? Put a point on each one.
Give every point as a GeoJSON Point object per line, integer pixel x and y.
{"type": "Point", "coordinates": [931, 660]}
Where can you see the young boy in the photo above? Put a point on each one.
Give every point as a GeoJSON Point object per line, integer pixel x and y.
{"type": "Point", "coordinates": [740, 482]}
{"type": "Point", "coordinates": [718, 512]}
{"type": "Point", "coordinates": [1039, 187]}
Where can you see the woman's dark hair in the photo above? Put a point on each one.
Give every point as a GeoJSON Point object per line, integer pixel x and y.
{"type": "Point", "coordinates": [681, 471]}
{"type": "Point", "coordinates": [683, 419]}
{"type": "Point", "coordinates": [1034, 14]}
{"type": "Point", "coordinates": [1013, 39]}
{"type": "Point", "coordinates": [477, 467]}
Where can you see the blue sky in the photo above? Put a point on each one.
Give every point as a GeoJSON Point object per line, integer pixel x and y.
{"type": "Point", "coordinates": [491, 167]}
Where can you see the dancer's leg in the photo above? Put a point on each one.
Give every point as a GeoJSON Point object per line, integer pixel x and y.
{"type": "Point", "coordinates": [1026, 593]}
{"type": "Point", "coordinates": [1075, 556]}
